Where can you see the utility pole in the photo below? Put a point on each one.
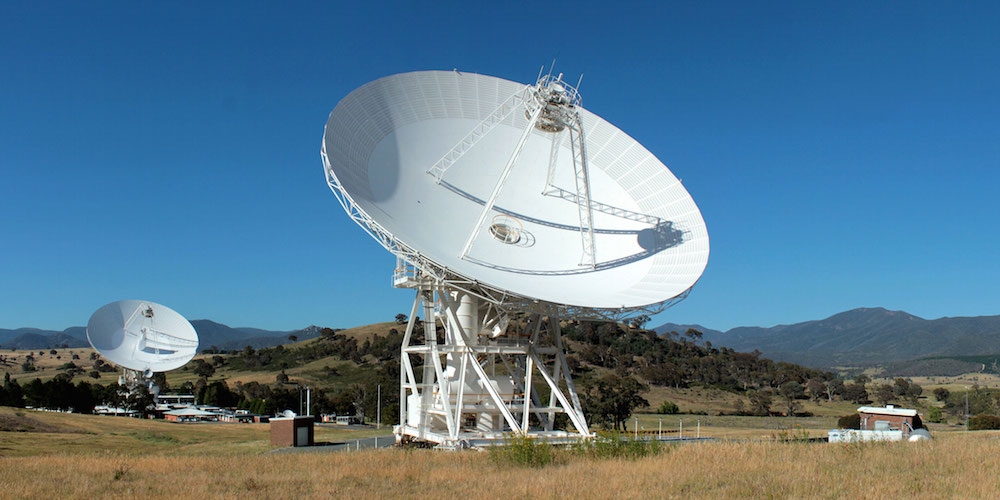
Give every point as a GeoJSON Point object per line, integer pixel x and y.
{"type": "Point", "coordinates": [966, 408]}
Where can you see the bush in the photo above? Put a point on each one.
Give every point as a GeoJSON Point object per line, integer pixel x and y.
{"type": "Point", "coordinates": [525, 451]}
{"type": "Point", "coordinates": [796, 435]}
{"type": "Point", "coordinates": [668, 408]}
{"type": "Point", "coordinates": [941, 394]}
{"type": "Point", "coordinates": [522, 451]}
{"type": "Point", "coordinates": [852, 421]}
{"type": "Point", "coordinates": [984, 422]}
{"type": "Point", "coordinates": [616, 446]}
{"type": "Point", "coordinates": [935, 415]}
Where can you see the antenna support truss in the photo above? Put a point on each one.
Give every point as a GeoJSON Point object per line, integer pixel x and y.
{"type": "Point", "coordinates": [476, 386]}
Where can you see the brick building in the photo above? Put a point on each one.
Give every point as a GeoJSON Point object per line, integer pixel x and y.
{"type": "Point", "coordinates": [889, 418]}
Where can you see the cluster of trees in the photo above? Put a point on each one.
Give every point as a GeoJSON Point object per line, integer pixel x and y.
{"type": "Point", "coordinates": [377, 360]}
{"type": "Point", "coordinates": [330, 343]}
{"type": "Point", "coordinates": [680, 360]}
{"type": "Point", "coordinates": [861, 391]}
{"type": "Point", "coordinates": [677, 360]}
{"type": "Point", "coordinates": [359, 399]}
{"type": "Point", "coordinates": [975, 402]}
{"type": "Point", "coordinates": [61, 393]}
{"type": "Point", "coordinates": [609, 400]}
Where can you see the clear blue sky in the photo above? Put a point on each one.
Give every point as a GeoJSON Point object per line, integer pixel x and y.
{"type": "Point", "coordinates": [843, 156]}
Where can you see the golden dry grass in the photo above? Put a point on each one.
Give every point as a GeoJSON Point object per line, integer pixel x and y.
{"type": "Point", "coordinates": [47, 364]}
{"type": "Point", "coordinates": [958, 383]}
{"type": "Point", "coordinates": [107, 456]}
{"type": "Point", "coordinates": [958, 466]}
{"type": "Point", "coordinates": [44, 433]}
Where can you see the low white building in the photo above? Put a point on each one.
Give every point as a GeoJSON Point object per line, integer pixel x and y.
{"type": "Point", "coordinates": [190, 415]}
{"type": "Point", "coordinates": [880, 423]}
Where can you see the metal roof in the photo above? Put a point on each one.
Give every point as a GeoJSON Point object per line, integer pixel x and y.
{"type": "Point", "coordinates": [190, 412]}
{"type": "Point", "coordinates": [888, 410]}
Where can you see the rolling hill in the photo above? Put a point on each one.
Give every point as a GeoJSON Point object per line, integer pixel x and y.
{"type": "Point", "coordinates": [210, 334]}
{"type": "Point", "coordinates": [862, 337]}
{"type": "Point", "coordinates": [855, 338]}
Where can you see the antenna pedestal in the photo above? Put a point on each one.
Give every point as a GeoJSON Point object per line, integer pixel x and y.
{"type": "Point", "coordinates": [138, 381]}
{"type": "Point", "coordinates": [473, 381]}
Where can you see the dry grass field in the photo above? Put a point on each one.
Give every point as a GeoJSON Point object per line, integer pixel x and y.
{"type": "Point", "coordinates": [44, 455]}
{"type": "Point", "coordinates": [78, 456]}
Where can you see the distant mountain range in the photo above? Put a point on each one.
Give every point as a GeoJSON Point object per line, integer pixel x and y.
{"type": "Point", "coordinates": [861, 337]}
{"type": "Point", "coordinates": [210, 334]}
{"type": "Point", "coordinates": [856, 338]}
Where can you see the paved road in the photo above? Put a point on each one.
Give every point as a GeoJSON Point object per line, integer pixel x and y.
{"type": "Point", "coordinates": [342, 446]}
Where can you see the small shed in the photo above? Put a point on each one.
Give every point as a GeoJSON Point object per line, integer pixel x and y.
{"type": "Point", "coordinates": [292, 431]}
{"type": "Point", "coordinates": [889, 418]}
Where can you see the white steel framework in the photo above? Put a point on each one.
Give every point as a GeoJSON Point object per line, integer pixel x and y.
{"type": "Point", "coordinates": [476, 380]}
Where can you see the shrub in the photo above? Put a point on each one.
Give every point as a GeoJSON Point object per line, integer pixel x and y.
{"type": "Point", "coordinates": [935, 415]}
{"type": "Point", "coordinates": [791, 435]}
{"type": "Point", "coordinates": [984, 421]}
{"type": "Point", "coordinates": [668, 408]}
{"type": "Point", "coordinates": [852, 421]}
{"type": "Point", "coordinates": [941, 394]}
{"type": "Point", "coordinates": [522, 451]}
{"type": "Point", "coordinates": [616, 446]}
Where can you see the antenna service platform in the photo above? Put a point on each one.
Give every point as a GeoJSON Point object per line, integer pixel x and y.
{"type": "Point", "coordinates": [510, 208]}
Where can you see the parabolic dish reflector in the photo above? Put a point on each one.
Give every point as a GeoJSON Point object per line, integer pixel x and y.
{"type": "Point", "coordinates": [416, 159]}
{"type": "Point", "coordinates": [142, 335]}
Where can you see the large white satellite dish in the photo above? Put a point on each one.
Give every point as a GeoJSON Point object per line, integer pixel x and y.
{"type": "Point", "coordinates": [419, 158]}
{"type": "Point", "coordinates": [501, 198]}
{"type": "Point", "coordinates": [142, 337]}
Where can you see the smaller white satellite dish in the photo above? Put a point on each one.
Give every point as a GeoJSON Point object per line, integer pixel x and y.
{"type": "Point", "coordinates": [143, 336]}
{"type": "Point", "coordinates": [919, 435]}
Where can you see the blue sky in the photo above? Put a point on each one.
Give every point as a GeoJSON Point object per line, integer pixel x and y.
{"type": "Point", "coordinates": [843, 155]}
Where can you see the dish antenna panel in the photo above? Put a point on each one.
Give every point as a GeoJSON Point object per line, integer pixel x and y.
{"type": "Point", "coordinates": [142, 337]}
{"type": "Point", "coordinates": [503, 200]}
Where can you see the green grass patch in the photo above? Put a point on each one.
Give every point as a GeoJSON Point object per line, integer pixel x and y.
{"type": "Point", "coordinates": [616, 446]}
{"type": "Point", "coordinates": [154, 437]}
{"type": "Point", "coordinates": [523, 451]}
